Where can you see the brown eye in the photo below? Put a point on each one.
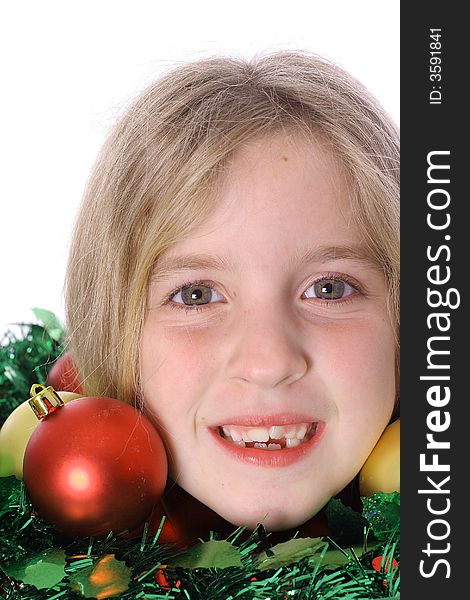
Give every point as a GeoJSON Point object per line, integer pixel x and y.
{"type": "Point", "coordinates": [196, 294]}
{"type": "Point", "coordinates": [329, 289]}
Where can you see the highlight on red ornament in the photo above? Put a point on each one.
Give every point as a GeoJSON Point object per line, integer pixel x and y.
{"type": "Point", "coordinates": [93, 466]}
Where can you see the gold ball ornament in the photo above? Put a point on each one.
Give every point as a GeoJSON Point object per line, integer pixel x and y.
{"type": "Point", "coordinates": [15, 434]}
{"type": "Point", "coordinates": [381, 471]}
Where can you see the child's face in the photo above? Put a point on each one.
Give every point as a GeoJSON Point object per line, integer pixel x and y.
{"type": "Point", "coordinates": [280, 330]}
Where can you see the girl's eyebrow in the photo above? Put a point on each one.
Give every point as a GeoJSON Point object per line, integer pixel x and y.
{"type": "Point", "coordinates": [168, 265]}
{"type": "Point", "coordinates": [321, 254]}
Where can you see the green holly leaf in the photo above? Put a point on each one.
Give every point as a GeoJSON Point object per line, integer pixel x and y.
{"type": "Point", "coordinates": [44, 570]}
{"type": "Point", "coordinates": [334, 558]}
{"type": "Point", "coordinates": [289, 552]}
{"type": "Point", "coordinates": [209, 555]}
{"type": "Point", "coordinates": [51, 323]}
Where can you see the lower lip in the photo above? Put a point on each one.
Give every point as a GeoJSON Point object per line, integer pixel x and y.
{"type": "Point", "coordinates": [269, 458]}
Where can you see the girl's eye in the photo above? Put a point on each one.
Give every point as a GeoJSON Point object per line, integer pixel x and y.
{"type": "Point", "coordinates": [330, 288]}
{"type": "Point", "coordinates": [196, 294]}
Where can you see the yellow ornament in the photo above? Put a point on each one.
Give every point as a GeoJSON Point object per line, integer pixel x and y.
{"type": "Point", "coordinates": [381, 471]}
{"type": "Point", "coordinates": [15, 434]}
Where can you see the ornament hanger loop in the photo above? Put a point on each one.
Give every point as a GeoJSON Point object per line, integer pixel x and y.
{"type": "Point", "coordinates": [44, 400]}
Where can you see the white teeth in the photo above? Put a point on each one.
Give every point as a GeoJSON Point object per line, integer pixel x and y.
{"type": "Point", "coordinates": [293, 434]}
{"type": "Point", "coordinates": [292, 442]}
{"type": "Point", "coordinates": [290, 431]}
{"type": "Point", "coordinates": [236, 436]}
{"type": "Point", "coordinates": [276, 432]}
{"type": "Point", "coordinates": [256, 434]}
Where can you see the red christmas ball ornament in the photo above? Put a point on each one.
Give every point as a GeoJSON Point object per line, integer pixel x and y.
{"type": "Point", "coordinates": [64, 375]}
{"type": "Point", "coordinates": [93, 465]}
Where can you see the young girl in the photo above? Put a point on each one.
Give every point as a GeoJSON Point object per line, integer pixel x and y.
{"type": "Point", "coordinates": [234, 271]}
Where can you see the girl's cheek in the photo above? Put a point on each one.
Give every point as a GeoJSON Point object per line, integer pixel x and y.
{"type": "Point", "coordinates": [179, 353]}
{"type": "Point", "coordinates": [360, 358]}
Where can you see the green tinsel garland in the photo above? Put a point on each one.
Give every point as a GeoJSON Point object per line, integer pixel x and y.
{"type": "Point", "coordinates": [31, 551]}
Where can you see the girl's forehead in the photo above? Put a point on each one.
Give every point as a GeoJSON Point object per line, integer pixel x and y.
{"type": "Point", "coordinates": [293, 171]}
{"type": "Point", "coordinates": [272, 150]}
{"type": "Point", "coordinates": [280, 178]}
{"type": "Point", "coordinates": [280, 198]}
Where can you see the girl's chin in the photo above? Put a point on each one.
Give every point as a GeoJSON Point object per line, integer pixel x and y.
{"type": "Point", "coordinates": [182, 506]}
{"type": "Point", "coordinates": [255, 506]}
{"type": "Point", "coordinates": [273, 517]}
{"type": "Point", "coordinates": [188, 520]}
{"type": "Point", "coordinates": [277, 509]}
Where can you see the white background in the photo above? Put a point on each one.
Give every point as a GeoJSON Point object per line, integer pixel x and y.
{"type": "Point", "coordinates": [69, 66]}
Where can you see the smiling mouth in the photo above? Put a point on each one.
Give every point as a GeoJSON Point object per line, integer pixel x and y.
{"type": "Point", "coordinates": [275, 437]}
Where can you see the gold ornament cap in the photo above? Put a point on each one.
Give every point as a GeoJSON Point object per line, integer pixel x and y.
{"type": "Point", "coordinates": [44, 400]}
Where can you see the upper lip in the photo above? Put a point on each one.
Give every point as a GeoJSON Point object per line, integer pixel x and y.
{"type": "Point", "coordinates": [266, 420]}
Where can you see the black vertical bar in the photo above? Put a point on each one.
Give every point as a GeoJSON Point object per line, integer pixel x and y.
{"type": "Point", "coordinates": [435, 320]}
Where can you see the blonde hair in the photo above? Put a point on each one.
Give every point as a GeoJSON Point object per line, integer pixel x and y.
{"type": "Point", "coordinates": [157, 175]}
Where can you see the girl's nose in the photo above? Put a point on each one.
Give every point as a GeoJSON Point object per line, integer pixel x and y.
{"type": "Point", "coordinates": [266, 352]}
